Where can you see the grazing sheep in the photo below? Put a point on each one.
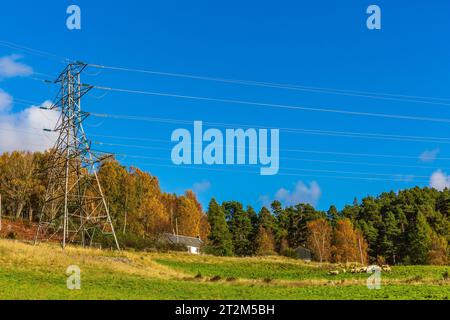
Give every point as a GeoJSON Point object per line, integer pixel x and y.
{"type": "Point", "coordinates": [386, 268]}
{"type": "Point", "coordinates": [333, 272]}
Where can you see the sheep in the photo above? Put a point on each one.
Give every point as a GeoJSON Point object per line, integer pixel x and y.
{"type": "Point", "coordinates": [333, 272]}
{"type": "Point", "coordinates": [386, 268]}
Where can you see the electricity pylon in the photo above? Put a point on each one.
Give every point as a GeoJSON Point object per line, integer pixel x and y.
{"type": "Point", "coordinates": [74, 209]}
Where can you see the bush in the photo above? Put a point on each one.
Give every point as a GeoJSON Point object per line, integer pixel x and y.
{"type": "Point", "coordinates": [216, 251]}
{"type": "Point", "coordinates": [380, 260]}
{"type": "Point", "coordinates": [12, 235]}
{"type": "Point", "coordinates": [216, 278]}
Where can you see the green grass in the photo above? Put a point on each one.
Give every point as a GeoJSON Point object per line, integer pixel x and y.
{"type": "Point", "coordinates": [254, 268]}
{"type": "Point", "coordinates": [28, 272]}
{"type": "Point", "coordinates": [35, 285]}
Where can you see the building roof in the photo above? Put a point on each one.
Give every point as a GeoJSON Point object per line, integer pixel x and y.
{"type": "Point", "coordinates": [300, 248]}
{"type": "Point", "coordinates": [187, 241]}
{"type": "Point", "coordinates": [303, 253]}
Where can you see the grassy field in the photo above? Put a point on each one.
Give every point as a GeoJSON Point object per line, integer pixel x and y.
{"type": "Point", "coordinates": [29, 272]}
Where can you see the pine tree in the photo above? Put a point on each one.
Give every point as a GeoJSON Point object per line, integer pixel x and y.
{"type": "Point", "coordinates": [254, 219]}
{"type": "Point", "coordinates": [419, 239]}
{"type": "Point", "coordinates": [240, 227]}
{"type": "Point", "coordinates": [219, 238]}
{"type": "Point", "coordinates": [333, 214]}
{"type": "Point", "coordinates": [388, 238]}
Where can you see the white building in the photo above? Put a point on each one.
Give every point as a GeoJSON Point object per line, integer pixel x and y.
{"type": "Point", "coordinates": [192, 244]}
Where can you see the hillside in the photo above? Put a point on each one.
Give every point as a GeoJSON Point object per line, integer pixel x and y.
{"type": "Point", "coordinates": [38, 272]}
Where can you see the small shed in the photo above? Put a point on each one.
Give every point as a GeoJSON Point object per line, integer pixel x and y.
{"type": "Point", "coordinates": [192, 244]}
{"type": "Point", "coordinates": [303, 253]}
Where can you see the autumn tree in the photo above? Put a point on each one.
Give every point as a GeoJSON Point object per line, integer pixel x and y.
{"type": "Point", "coordinates": [188, 215]}
{"type": "Point", "coordinates": [265, 242]}
{"type": "Point", "coordinates": [152, 218]}
{"type": "Point", "coordinates": [142, 203]}
{"type": "Point", "coordinates": [438, 253]}
{"type": "Point", "coordinates": [19, 183]}
{"type": "Point", "coordinates": [348, 244]}
{"type": "Point", "coordinates": [112, 177]}
{"type": "Point", "coordinates": [205, 228]}
{"type": "Point", "coordinates": [319, 239]}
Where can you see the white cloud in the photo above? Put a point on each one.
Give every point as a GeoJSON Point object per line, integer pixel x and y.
{"type": "Point", "coordinates": [301, 194]}
{"type": "Point", "coordinates": [429, 155]}
{"type": "Point", "coordinates": [10, 67]}
{"type": "Point", "coordinates": [5, 101]}
{"type": "Point", "coordinates": [439, 180]}
{"type": "Point", "coordinates": [200, 187]}
{"type": "Point", "coordinates": [24, 130]}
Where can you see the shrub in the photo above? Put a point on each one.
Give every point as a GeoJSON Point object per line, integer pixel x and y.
{"type": "Point", "coordinates": [381, 260]}
{"type": "Point", "coordinates": [216, 251]}
{"type": "Point", "coordinates": [12, 235]}
{"type": "Point", "coordinates": [216, 278]}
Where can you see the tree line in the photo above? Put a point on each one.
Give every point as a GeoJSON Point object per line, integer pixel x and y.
{"type": "Point", "coordinates": [137, 205]}
{"type": "Point", "coordinates": [408, 227]}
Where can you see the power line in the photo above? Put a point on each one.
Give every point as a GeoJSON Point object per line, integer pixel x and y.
{"type": "Point", "coordinates": [400, 175]}
{"type": "Point", "coordinates": [127, 155]}
{"type": "Point", "coordinates": [277, 106]}
{"type": "Point", "coordinates": [398, 179]}
{"type": "Point", "coordinates": [353, 93]}
{"type": "Point", "coordinates": [353, 154]}
{"type": "Point", "coordinates": [36, 52]}
{"type": "Point", "coordinates": [350, 134]}
{"type": "Point", "coordinates": [335, 91]}
{"type": "Point", "coordinates": [312, 170]}
{"type": "Point", "coordinates": [287, 150]}
{"type": "Point", "coordinates": [379, 136]}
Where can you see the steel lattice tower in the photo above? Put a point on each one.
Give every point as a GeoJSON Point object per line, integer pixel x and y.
{"type": "Point", "coordinates": [75, 209]}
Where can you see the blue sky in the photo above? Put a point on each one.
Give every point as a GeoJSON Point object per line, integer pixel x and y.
{"type": "Point", "coordinates": [309, 43]}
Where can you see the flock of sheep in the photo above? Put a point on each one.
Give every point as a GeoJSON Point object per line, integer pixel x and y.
{"type": "Point", "coordinates": [357, 269]}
